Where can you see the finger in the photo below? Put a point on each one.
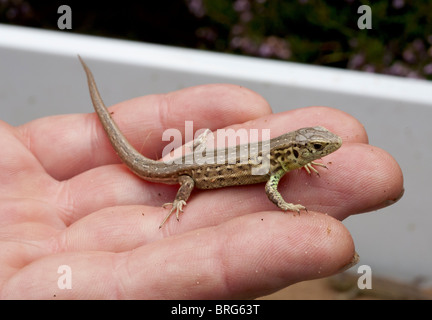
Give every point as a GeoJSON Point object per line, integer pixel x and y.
{"type": "Point", "coordinates": [337, 121]}
{"type": "Point", "coordinates": [21, 175]}
{"type": "Point", "coordinates": [68, 145]}
{"type": "Point", "coordinates": [243, 258]}
{"type": "Point", "coordinates": [15, 158]}
{"type": "Point", "coordinates": [108, 187]}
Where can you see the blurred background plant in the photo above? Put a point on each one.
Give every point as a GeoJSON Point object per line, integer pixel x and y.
{"type": "Point", "coordinates": [307, 31]}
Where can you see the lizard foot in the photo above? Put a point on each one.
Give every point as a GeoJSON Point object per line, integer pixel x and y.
{"type": "Point", "coordinates": [291, 207]}
{"type": "Point", "coordinates": [177, 205]}
{"type": "Point", "coordinates": [308, 167]}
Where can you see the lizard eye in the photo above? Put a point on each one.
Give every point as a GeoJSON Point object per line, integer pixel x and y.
{"type": "Point", "coordinates": [318, 146]}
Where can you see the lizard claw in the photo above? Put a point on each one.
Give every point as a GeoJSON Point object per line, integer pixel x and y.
{"type": "Point", "coordinates": [309, 166]}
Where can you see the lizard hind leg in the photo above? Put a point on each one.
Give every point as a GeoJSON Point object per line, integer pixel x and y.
{"type": "Point", "coordinates": [186, 186]}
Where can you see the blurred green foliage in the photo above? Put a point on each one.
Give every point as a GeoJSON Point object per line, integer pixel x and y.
{"type": "Point", "coordinates": [326, 33]}
{"type": "Point", "coordinates": [321, 32]}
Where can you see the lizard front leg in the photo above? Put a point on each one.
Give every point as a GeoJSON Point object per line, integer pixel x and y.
{"type": "Point", "coordinates": [186, 186]}
{"type": "Point", "coordinates": [274, 195]}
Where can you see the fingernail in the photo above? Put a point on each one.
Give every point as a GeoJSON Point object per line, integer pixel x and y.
{"type": "Point", "coordinates": [355, 259]}
{"type": "Point", "coordinates": [386, 203]}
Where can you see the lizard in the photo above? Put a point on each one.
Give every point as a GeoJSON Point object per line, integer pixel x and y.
{"type": "Point", "coordinates": [290, 151]}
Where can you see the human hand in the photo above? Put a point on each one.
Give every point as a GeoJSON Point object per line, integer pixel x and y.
{"type": "Point", "coordinates": [65, 200]}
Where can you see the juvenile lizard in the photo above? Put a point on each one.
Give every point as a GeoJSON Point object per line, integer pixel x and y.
{"type": "Point", "coordinates": [287, 152]}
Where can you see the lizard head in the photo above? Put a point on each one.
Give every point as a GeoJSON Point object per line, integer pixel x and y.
{"type": "Point", "coordinates": [314, 143]}
{"type": "Point", "coordinates": [306, 145]}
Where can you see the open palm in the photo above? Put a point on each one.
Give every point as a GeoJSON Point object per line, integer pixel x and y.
{"type": "Point", "coordinates": [69, 207]}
